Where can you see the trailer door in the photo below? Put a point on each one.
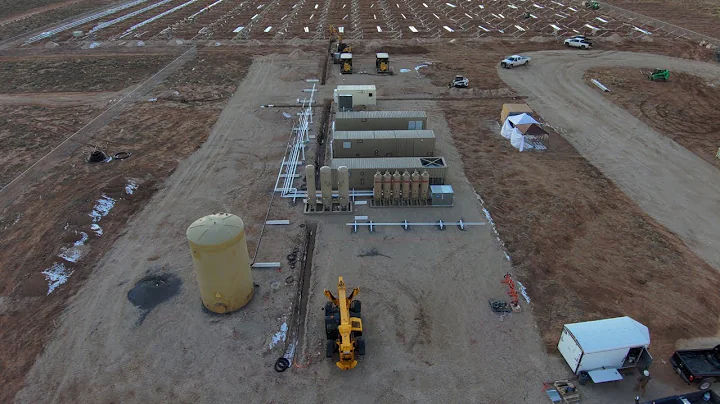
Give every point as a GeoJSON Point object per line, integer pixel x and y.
{"type": "Point", "coordinates": [570, 350]}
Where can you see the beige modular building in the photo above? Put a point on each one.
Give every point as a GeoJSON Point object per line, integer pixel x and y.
{"type": "Point", "coordinates": [346, 97]}
{"type": "Point", "coordinates": [385, 143]}
{"type": "Point", "coordinates": [362, 169]}
{"type": "Point", "coordinates": [380, 120]}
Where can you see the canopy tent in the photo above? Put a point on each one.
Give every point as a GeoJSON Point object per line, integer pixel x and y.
{"type": "Point", "coordinates": [524, 132]}
{"type": "Point", "coordinates": [521, 119]}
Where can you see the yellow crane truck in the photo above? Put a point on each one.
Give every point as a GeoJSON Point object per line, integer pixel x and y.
{"type": "Point", "coordinates": [343, 326]}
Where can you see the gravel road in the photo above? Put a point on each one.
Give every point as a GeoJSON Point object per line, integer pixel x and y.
{"type": "Point", "coordinates": [674, 186]}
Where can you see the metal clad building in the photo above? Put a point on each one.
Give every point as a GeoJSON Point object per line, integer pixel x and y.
{"type": "Point", "coordinates": [380, 120]}
{"type": "Point", "coordinates": [359, 94]}
{"type": "Point", "coordinates": [362, 169]}
{"type": "Point", "coordinates": [388, 143]}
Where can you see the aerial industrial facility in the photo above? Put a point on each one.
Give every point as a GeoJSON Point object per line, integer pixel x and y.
{"type": "Point", "coordinates": [198, 197]}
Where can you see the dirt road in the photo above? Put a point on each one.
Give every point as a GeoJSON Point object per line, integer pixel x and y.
{"type": "Point", "coordinates": [674, 186]}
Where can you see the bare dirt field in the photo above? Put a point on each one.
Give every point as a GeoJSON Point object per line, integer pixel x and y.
{"type": "Point", "coordinates": [684, 109]}
{"type": "Point", "coordinates": [31, 131]}
{"type": "Point", "coordinates": [584, 249]}
{"type": "Point", "coordinates": [698, 15]}
{"type": "Point", "coordinates": [56, 212]}
{"type": "Point", "coordinates": [82, 74]}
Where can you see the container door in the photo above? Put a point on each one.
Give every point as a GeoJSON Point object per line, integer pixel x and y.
{"type": "Point", "coordinates": [411, 125]}
{"type": "Point", "coordinates": [570, 350]}
{"type": "Point", "coordinates": [645, 360]}
{"type": "Point", "coordinates": [345, 102]}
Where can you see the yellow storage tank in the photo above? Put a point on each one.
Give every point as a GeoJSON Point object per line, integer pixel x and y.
{"type": "Point", "coordinates": [222, 265]}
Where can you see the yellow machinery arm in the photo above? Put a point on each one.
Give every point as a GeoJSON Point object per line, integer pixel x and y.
{"type": "Point", "coordinates": [349, 326]}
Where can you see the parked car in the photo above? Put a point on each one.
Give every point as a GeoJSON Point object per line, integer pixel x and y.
{"type": "Point", "coordinates": [515, 60]}
{"type": "Point", "coordinates": [700, 366]}
{"type": "Point", "coordinates": [582, 43]}
{"type": "Point", "coordinates": [696, 397]}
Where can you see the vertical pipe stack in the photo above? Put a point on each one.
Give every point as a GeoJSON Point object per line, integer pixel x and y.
{"type": "Point", "coordinates": [387, 183]}
{"type": "Point", "coordinates": [311, 190]}
{"type": "Point", "coordinates": [326, 187]}
{"type": "Point", "coordinates": [377, 187]}
{"type": "Point", "coordinates": [415, 186]}
{"type": "Point", "coordinates": [344, 187]}
{"type": "Point", "coordinates": [424, 186]}
{"type": "Point", "coordinates": [406, 186]}
{"type": "Point", "coordinates": [396, 187]}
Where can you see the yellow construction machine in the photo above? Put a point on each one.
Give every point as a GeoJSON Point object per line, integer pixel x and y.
{"type": "Point", "coordinates": [343, 326]}
{"type": "Point", "coordinates": [340, 47]}
{"type": "Point", "coordinates": [382, 63]}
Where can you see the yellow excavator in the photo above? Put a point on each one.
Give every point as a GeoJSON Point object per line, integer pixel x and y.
{"type": "Point", "coordinates": [343, 326]}
{"type": "Point", "coordinates": [340, 47]}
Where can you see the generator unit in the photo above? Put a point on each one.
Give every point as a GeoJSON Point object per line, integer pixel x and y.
{"type": "Point", "coordinates": [382, 63]}
{"type": "Point", "coordinates": [346, 63]}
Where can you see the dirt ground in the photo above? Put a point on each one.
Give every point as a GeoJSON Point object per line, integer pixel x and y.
{"type": "Point", "coordinates": [82, 74]}
{"type": "Point", "coordinates": [56, 212]}
{"type": "Point", "coordinates": [683, 109]}
{"type": "Point", "coordinates": [701, 16]}
{"type": "Point", "coordinates": [31, 131]}
{"type": "Point", "coordinates": [585, 250]}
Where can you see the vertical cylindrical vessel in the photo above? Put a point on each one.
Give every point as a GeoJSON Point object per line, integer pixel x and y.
{"type": "Point", "coordinates": [387, 183]}
{"type": "Point", "coordinates": [222, 265]}
{"type": "Point", "coordinates": [344, 186]}
{"type": "Point", "coordinates": [406, 185]}
{"type": "Point", "coordinates": [377, 186]}
{"type": "Point", "coordinates": [326, 187]}
{"type": "Point", "coordinates": [424, 185]}
{"type": "Point", "coordinates": [415, 186]}
{"type": "Point", "coordinates": [311, 189]}
{"type": "Point", "coordinates": [396, 186]}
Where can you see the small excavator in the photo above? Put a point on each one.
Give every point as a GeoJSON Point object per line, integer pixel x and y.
{"type": "Point", "coordinates": [339, 47]}
{"type": "Point", "coordinates": [343, 327]}
{"type": "Point", "coordinates": [593, 5]}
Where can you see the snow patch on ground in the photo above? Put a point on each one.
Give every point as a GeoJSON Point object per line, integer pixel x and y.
{"type": "Point", "coordinates": [131, 187]}
{"type": "Point", "coordinates": [97, 229]}
{"type": "Point", "coordinates": [523, 291]}
{"type": "Point", "coordinates": [56, 275]}
{"type": "Point", "coordinates": [102, 207]}
{"type": "Point", "coordinates": [71, 254]}
{"type": "Point", "coordinates": [279, 336]}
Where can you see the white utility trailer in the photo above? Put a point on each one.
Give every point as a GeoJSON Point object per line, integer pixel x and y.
{"type": "Point", "coordinates": [598, 349]}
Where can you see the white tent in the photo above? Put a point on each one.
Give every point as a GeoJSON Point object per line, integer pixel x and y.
{"type": "Point", "coordinates": [509, 130]}
{"type": "Point", "coordinates": [521, 119]}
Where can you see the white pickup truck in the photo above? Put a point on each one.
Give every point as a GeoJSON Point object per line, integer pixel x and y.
{"type": "Point", "coordinates": [515, 60]}
{"type": "Point", "coordinates": [579, 42]}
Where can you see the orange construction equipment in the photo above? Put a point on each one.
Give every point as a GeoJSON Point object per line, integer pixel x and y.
{"type": "Point", "coordinates": [515, 302]}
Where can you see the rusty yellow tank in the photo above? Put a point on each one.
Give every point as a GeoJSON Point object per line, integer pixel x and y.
{"type": "Point", "coordinates": [222, 265]}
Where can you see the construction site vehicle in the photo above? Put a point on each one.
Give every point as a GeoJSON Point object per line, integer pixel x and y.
{"type": "Point", "coordinates": [459, 82]}
{"type": "Point", "coordinates": [592, 5]}
{"type": "Point", "coordinates": [343, 326]}
{"type": "Point", "coordinates": [514, 60]}
{"type": "Point", "coordinates": [701, 366]}
{"type": "Point", "coordinates": [382, 63]}
{"type": "Point", "coordinates": [346, 63]}
{"type": "Point", "coordinates": [578, 42]}
{"type": "Point", "coordinates": [339, 47]}
{"type": "Point", "coordinates": [659, 74]}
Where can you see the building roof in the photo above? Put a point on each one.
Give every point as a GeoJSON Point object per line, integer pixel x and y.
{"type": "Point", "coordinates": [380, 114]}
{"type": "Point", "coordinates": [517, 108]}
{"type": "Point", "coordinates": [609, 334]}
{"type": "Point", "coordinates": [381, 163]}
{"type": "Point", "coordinates": [383, 134]}
{"type": "Point", "coordinates": [355, 88]}
{"type": "Point", "coordinates": [441, 189]}
{"type": "Point", "coordinates": [382, 55]}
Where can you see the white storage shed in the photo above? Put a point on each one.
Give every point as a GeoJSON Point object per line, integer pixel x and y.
{"type": "Point", "coordinates": [361, 94]}
{"type": "Point", "coordinates": [599, 348]}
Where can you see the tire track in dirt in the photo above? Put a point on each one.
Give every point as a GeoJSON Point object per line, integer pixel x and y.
{"type": "Point", "coordinates": [674, 186]}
